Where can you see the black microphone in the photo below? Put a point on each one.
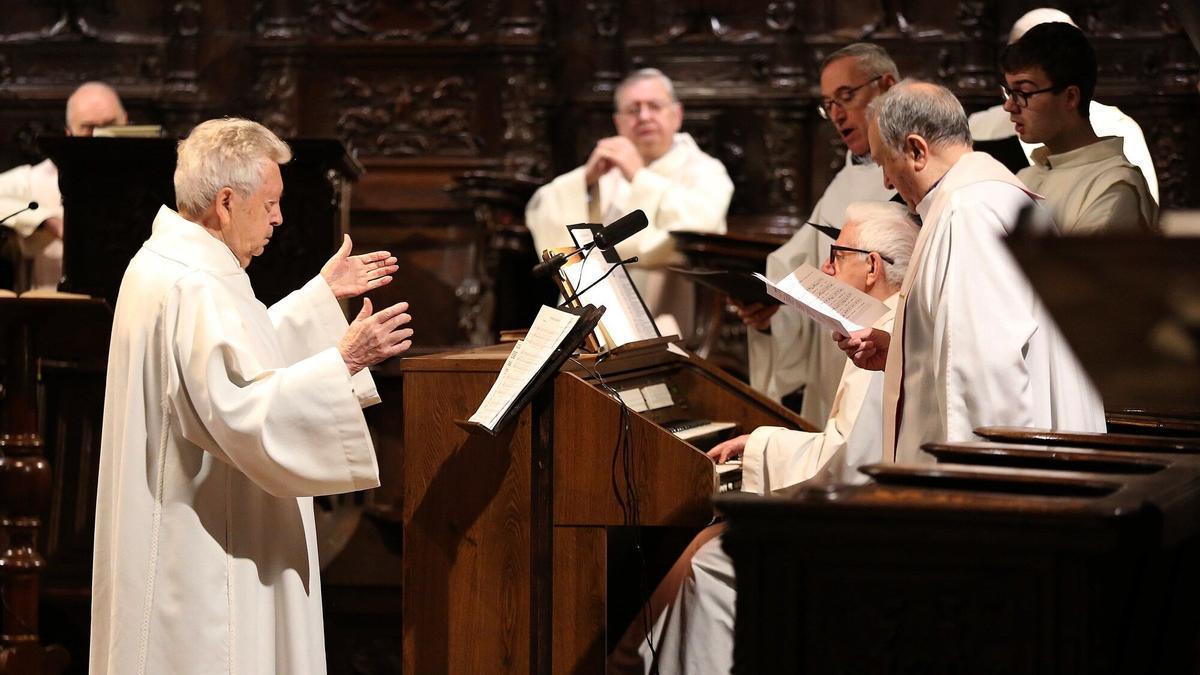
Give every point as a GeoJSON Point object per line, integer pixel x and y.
{"type": "Point", "coordinates": [550, 265]}
{"type": "Point", "coordinates": [32, 207]}
{"type": "Point", "coordinates": [619, 230]}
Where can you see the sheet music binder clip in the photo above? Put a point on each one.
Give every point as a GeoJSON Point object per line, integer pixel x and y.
{"type": "Point", "coordinates": [589, 316]}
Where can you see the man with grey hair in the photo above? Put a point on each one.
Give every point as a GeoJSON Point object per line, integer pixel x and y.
{"type": "Point", "coordinates": [787, 352]}
{"type": "Point", "coordinates": [222, 419]}
{"type": "Point", "coordinates": [648, 165]}
{"type": "Point", "coordinates": [40, 230]}
{"type": "Point", "coordinates": [973, 345]}
{"type": "Point", "coordinates": [995, 128]}
{"type": "Point", "coordinates": [692, 610]}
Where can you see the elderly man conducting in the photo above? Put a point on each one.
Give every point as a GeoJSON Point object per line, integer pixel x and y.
{"type": "Point", "coordinates": [973, 346]}
{"type": "Point", "coordinates": [650, 166]}
{"type": "Point", "coordinates": [787, 351]}
{"type": "Point", "coordinates": [92, 105]}
{"type": "Point", "coordinates": [222, 419]}
{"type": "Point", "coordinates": [692, 610]}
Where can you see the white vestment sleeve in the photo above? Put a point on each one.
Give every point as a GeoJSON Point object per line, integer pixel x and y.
{"type": "Point", "coordinates": [18, 187]}
{"type": "Point", "coordinates": [696, 201]}
{"type": "Point", "coordinates": [294, 431]}
{"type": "Point", "coordinates": [310, 320]}
{"type": "Point", "coordinates": [561, 202]}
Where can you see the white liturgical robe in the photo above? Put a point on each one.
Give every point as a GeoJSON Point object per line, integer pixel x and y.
{"type": "Point", "coordinates": [685, 190]}
{"type": "Point", "coordinates": [797, 353]}
{"type": "Point", "coordinates": [35, 183]}
{"type": "Point", "coordinates": [973, 346]}
{"type": "Point", "coordinates": [776, 457]}
{"type": "Point", "coordinates": [692, 609]}
{"type": "Point", "coordinates": [994, 124]}
{"type": "Point", "coordinates": [221, 420]}
{"type": "Point", "coordinates": [1092, 189]}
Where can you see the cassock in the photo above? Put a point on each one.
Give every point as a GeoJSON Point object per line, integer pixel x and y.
{"type": "Point", "coordinates": [35, 183]}
{"type": "Point", "coordinates": [995, 124]}
{"type": "Point", "coordinates": [685, 190]}
{"type": "Point", "coordinates": [692, 609]}
{"type": "Point", "coordinates": [222, 419]}
{"type": "Point", "coordinates": [1092, 189]}
{"type": "Point", "coordinates": [796, 353]}
{"type": "Point", "coordinates": [973, 346]}
{"type": "Point", "coordinates": [776, 457]}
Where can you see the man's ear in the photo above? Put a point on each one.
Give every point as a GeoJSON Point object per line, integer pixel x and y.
{"type": "Point", "coordinates": [1072, 96]}
{"type": "Point", "coordinates": [875, 271]}
{"type": "Point", "coordinates": [916, 149]}
{"type": "Point", "coordinates": [223, 203]}
{"type": "Point", "coordinates": [886, 82]}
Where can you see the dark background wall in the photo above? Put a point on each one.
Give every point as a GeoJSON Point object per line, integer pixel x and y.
{"type": "Point", "coordinates": [426, 90]}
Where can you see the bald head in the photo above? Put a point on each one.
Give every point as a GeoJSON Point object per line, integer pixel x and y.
{"type": "Point", "coordinates": [94, 104]}
{"type": "Point", "coordinates": [1036, 17]}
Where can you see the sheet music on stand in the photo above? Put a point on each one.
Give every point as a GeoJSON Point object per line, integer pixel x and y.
{"type": "Point", "coordinates": [553, 337]}
{"type": "Point", "coordinates": [627, 319]}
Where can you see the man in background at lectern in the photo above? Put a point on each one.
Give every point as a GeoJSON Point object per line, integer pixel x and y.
{"type": "Point", "coordinates": [222, 419]}
{"type": "Point", "coordinates": [648, 165]}
{"type": "Point", "coordinates": [40, 230]}
{"type": "Point", "coordinates": [788, 353]}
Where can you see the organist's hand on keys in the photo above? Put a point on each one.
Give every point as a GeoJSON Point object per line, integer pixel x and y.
{"type": "Point", "coordinates": [729, 450]}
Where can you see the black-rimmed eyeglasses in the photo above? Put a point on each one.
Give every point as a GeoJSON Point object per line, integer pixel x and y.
{"type": "Point", "coordinates": [834, 249]}
{"type": "Point", "coordinates": [1021, 98]}
{"type": "Point", "coordinates": [843, 97]}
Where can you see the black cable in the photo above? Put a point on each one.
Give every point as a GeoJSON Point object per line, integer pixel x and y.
{"type": "Point", "coordinates": [630, 507]}
{"type": "Point", "coordinates": [604, 276]}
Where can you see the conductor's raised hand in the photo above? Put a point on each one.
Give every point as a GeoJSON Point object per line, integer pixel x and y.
{"type": "Point", "coordinates": [372, 338]}
{"type": "Point", "coordinates": [352, 275]}
{"type": "Point", "coordinates": [867, 348]}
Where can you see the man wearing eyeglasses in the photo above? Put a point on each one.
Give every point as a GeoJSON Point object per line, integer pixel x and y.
{"type": "Point", "coordinates": [691, 612]}
{"type": "Point", "coordinates": [993, 129]}
{"type": "Point", "coordinates": [973, 346]}
{"type": "Point", "coordinates": [1089, 185]}
{"type": "Point", "coordinates": [787, 352]}
{"type": "Point", "coordinates": [648, 165]}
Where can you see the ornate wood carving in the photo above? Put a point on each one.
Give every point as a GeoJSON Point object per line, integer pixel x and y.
{"type": "Point", "coordinates": [402, 117]}
{"type": "Point", "coordinates": [372, 20]}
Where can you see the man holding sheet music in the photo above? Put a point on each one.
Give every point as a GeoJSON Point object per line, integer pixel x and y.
{"type": "Point", "coordinates": [974, 346]}
{"type": "Point", "coordinates": [787, 351]}
{"type": "Point", "coordinates": [650, 166]}
{"type": "Point", "coordinates": [692, 609]}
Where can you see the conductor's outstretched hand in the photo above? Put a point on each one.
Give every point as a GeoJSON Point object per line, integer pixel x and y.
{"type": "Point", "coordinates": [352, 275]}
{"type": "Point", "coordinates": [372, 338]}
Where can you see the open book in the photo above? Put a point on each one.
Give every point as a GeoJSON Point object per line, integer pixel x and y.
{"type": "Point", "coordinates": [739, 285]}
{"type": "Point", "coordinates": [627, 320]}
{"type": "Point", "coordinates": [551, 340]}
{"type": "Point", "coordinates": [834, 304]}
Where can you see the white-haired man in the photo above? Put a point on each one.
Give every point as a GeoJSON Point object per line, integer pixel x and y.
{"type": "Point", "coordinates": [648, 165]}
{"type": "Point", "coordinates": [692, 610]}
{"type": "Point", "coordinates": [973, 346]}
{"type": "Point", "coordinates": [91, 105]}
{"type": "Point", "coordinates": [995, 125]}
{"type": "Point", "coordinates": [788, 353]}
{"type": "Point", "coordinates": [222, 419]}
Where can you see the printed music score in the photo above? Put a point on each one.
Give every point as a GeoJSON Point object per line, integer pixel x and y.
{"type": "Point", "coordinates": [833, 304]}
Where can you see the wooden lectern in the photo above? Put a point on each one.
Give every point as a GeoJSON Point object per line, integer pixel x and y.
{"type": "Point", "coordinates": [508, 540]}
{"type": "Point", "coordinates": [113, 187]}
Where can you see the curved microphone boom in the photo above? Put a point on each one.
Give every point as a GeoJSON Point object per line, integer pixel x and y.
{"type": "Point", "coordinates": [31, 207]}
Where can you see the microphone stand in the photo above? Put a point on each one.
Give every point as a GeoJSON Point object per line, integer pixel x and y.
{"type": "Point", "coordinates": [585, 289]}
